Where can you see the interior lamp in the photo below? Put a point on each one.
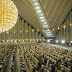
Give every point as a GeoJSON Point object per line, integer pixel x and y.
{"type": "Point", "coordinates": [56, 41]}
{"type": "Point", "coordinates": [8, 15]}
{"type": "Point", "coordinates": [63, 41]}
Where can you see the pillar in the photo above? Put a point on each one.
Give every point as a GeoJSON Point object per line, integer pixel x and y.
{"type": "Point", "coordinates": [26, 33]}
{"type": "Point", "coordinates": [33, 33]}
{"type": "Point", "coordinates": [29, 32]}
{"type": "Point", "coordinates": [18, 27]}
{"type": "Point", "coordinates": [64, 33]}
{"type": "Point", "coordinates": [22, 29]}
{"type": "Point", "coordinates": [36, 34]}
{"type": "Point", "coordinates": [67, 31]}
{"type": "Point", "coordinates": [0, 37]}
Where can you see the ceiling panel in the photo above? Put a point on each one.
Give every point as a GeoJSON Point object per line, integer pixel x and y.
{"type": "Point", "coordinates": [54, 10]}
{"type": "Point", "coordinates": [47, 6]}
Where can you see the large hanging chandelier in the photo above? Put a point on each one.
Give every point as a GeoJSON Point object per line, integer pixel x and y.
{"type": "Point", "coordinates": [8, 15]}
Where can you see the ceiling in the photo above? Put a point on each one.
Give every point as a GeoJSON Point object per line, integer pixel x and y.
{"type": "Point", "coordinates": [55, 11]}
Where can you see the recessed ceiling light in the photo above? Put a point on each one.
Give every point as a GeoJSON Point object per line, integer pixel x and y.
{"type": "Point", "coordinates": [37, 8]}
{"type": "Point", "coordinates": [43, 20]}
{"type": "Point", "coordinates": [35, 4]}
{"type": "Point", "coordinates": [33, 0]}
{"type": "Point", "coordinates": [41, 17]}
{"type": "Point", "coordinates": [40, 14]}
{"type": "Point", "coordinates": [38, 11]}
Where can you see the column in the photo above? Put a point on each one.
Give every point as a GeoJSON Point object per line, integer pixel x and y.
{"type": "Point", "coordinates": [71, 32]}
{"type": "Point", "coordinates": [71, 25]}
{"type": "Point", "coordinates": [40, 36]}
{"type": "Point", "coordinates": [22, 29]}
{"type": "Point", "coordinates": [26, 33]}
{"type": "Point", "coordinates": [33, 33]}
{"type": "Point", "coordinates": [4, 36]}
{"type": "Point", "coordinates": [67, 31]}
{"type": "Point", "coordinates": [7, 36]}
{"type": "Point", "coordinates": [29, 32]}
{"type": "Point", "coordinates": [61, 35]}
{"type": "Point", "coordinates": [36, 34]}
{"type": "Point", "coordinates": [64, 33]}
{"type": "Point", "coordinates": [0, 37]}
{"type": "Point", "coordinates": [14, 32]}
{"type": "Point", "coordinates": [43, 38]}
{"type": "Point", "coordinates": [18, 27]}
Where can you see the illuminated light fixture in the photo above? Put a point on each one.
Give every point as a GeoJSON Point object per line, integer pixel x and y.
{"type": "Point", "coordinates": [15, 40]}
{"type": "Point", "coordinates": [48, 34]}
{"type": "Point", "coordinates": [8, 15]}
{"type": "Point", "coordinates": [37, 39]}
{"type": "Point", "coordinates": [3, 40]}
{"type": "Point", "coordinates": [43, 30]}
{"type": "Point", "coordinates": [38, 30]}
{"type": "Point", "coordinates": [26, 39]}
{"type": "Point", "coordinates": [7, 40]}
{"type": "Point", "coordinates": [26, 30]}
{"type": "Point", "coordinates": [43, 20]}
{"type": "Point", "coordinates": [35, 4]}
{"type": "Point", "coordinates": [53, 29]}
{"type": "Point", "coordinates": [56, 41]}
{"type": "Point", "coordinates": [37, 8]}
{"type": "Point", "coordinates": [33, 39]}
{"type": "Point", "coordinates": [7, 32]}
{"type": "Point", "coordinates": [38, 11]}
{"type": "Point", "coordinates": [58, 28]}
{"type": "Point", "coordinates": [32, 30]}
{"type": "Point", "coordinates": [63, 41]}
{"type": "Point", "coordinates": [48, 29]}
{"type": "Point", "coordinates": [14, 31]}
{"type": "Point", "coordinates": [30, 39]}
{"type": "Point", "coordinates": [64, 26]}
{"type": "Point", "coordinates": [20, 31]}
{"type": "Point", "coordinates": [45, 26]}
{"type": "Point", "coordinates": [71, 41]}
{"type": "Point", "coordinates": [70, 24]}
{"type": "Point", "coordinates": [11, 40]}
{"type": "Point", "coordinates": [40, 14]}
{"type": "Point", "coordinates": [33, 0]}
{"type": "Point", "coordinates": [41, 17]}
{"type": "Point", "coordinates": [48, 40]}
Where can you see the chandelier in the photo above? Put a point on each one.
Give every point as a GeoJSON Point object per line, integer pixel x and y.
{"type": "Point", "coordinates": [8, 15]}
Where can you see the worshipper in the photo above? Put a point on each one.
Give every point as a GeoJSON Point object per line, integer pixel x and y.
{"type": "Point", "coordinates": [0, 67]}
{"type": "Point", "coordinates": [71, 66]}
{"type": "Point", "coordinates": [63, 70]}
{"type": "Point", "coordinates": [52, 67]}
{"type": "Point", "coordinates": [49, 62]}
{"type": "Point", "coordinates": [45, 70]}
{"type": "Point", "coordinates": [40, 57]}
{"type": "Point", "coordinates": [45, 60]}
{"type": "Point", "coordinates": [38, 67]}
